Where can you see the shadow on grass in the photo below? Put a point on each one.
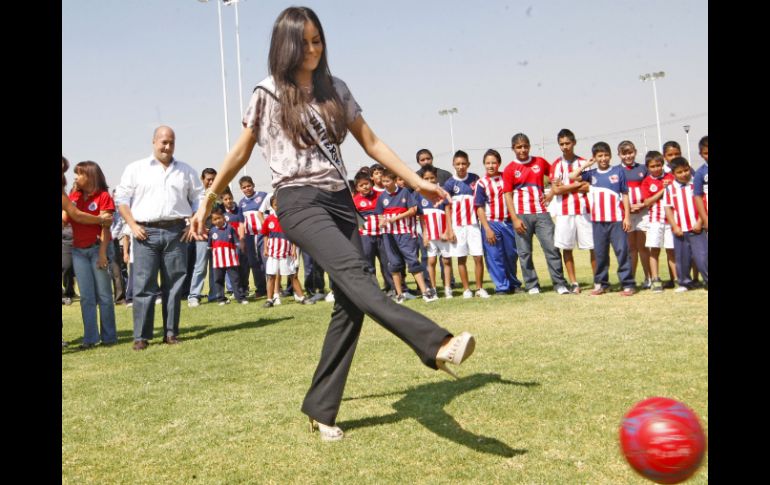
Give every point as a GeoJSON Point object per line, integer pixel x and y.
{"type": "Point", "coordinates": [211, 330]}
{"type": "Point", "coordinates": [200, 331]}
{"type": "Point", "coordinates": [426, 403]}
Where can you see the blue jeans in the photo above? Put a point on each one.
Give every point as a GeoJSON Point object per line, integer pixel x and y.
{"type": "Point", "coordinates": [95, 288]}
{"type": "Point", "coordinates": [162, 251]}
{"type": "Point", "coordinates": [688, 248]}
{"type": "Point", "coordinates": [606, 234]}
{"type": "Point", "coordinates": [200, 270]}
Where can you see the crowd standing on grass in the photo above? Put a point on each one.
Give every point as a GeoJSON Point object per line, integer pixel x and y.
{"type": "Point", "coordinates": [636, 208]}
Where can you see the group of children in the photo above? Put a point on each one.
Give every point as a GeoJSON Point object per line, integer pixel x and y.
{"type": "Point", "coordinates": [637, 209]}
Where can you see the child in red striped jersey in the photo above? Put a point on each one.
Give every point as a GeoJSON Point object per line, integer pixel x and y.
{"type": "Point", "coordinates": [280, 259]}
{"type": "Point", "coordinates": [573, 223]}
{"type": "Point", "coordinates": [224, 255]}
{"type": "Point", "coordinates": [434, 228]}
{"type": "Point", "coordinates": [463, 232]}
{"type": "Point", "coordinates": [635, 174]}
{"type": "Point", "coordinates": [659, 234]}
{"type": "Point", "coordinates": [691, 243]}
{"type": "Point", "coordinates": [395, 210]}
{"type": "Point", "coordinates": [523, 188]}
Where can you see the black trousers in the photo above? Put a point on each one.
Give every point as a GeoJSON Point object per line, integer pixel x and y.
{"type": "Point", "coordinates": [219, 283]}
{"type": "Point", "coordinates": [324, 225]}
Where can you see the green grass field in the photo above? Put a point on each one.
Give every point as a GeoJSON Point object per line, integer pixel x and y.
{"type": "Point", "coordinates": [539, 402]}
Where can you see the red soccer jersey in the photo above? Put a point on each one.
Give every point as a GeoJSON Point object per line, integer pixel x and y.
{"type": "Point", "coordinates": [650, 187]}
{"type": "Point", "coordinates": [525, 180]}
{"type": "Point", "coordinates": [572, 203]}
{"type": "Point", "coordinates": [489, 195]}
{"type": "Point", "coordinates": [365, 205]}
{"type": "Point", "coordinates": [224, 253]}
{"type": "Point", "coordinates": [278, 246]}
{"type": "Point", "coordinates": [86, 235]}
{"type": "Point", "coordinates": [681, 199]}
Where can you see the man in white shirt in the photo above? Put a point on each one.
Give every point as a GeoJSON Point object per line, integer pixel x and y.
{"type": "Point", "coordinates": [155, 196]}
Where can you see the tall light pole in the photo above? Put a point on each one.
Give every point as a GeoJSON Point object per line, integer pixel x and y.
{"type": "Point", "coordinates": [653, 77]}
{"type": "Point", "coordinates": [238, 57]}
{"type": "Point", "coordinates": [224, 85]}
{"type": "Point", "coordinates": [449, 112]}
{"type": "Point", "coordinates": [687, 134]}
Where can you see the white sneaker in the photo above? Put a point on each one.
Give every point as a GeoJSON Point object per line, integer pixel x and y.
{"type": "Point", "coordinates": [448, 292]}
{"type": "Point", "coordinates": [158, 300]}
{"type": "Point", "coordinates": [276, 301]}
{"type": "Point", "coordinates": [534, 291]}
{"type": "Point", "coordinates": [562, 290]}
{"type": "Point", "coordinates": [482, 293]}
{"type": "Point", "coordinates": [244, 302]}
{"type": "Point", "coordinates": [429, 296]}
{"type": "Point", "coordinates": [680, 289]}
{"type": "Point", "coordinates": [468, 293]}
{"type": "Point", "coordinates": [193, 302]}
{"type": "Point", "coordinates": [330, 297]}
{"type": "Point", "coordinates": [297, 298]}
{"type": "Point", "coordinates": [129, 304]}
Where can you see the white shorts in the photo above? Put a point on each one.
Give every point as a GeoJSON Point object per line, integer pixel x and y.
{"type": "Point", "coordinates": [639, 221]}
{"type": "Point", "coordinates": [286, 266]}
{"type": "Point", "coordinates": [659, 235]}
{"type": "Point", "coordinates": [572, 230]}
{"type": "Point", "coordinates": [437, 246]}
{"type": "Point", "coordinates": [468, 242]}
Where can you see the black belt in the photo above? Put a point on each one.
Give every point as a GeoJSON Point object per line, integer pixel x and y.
{"type": "Point", "coordinates": [162, 224]}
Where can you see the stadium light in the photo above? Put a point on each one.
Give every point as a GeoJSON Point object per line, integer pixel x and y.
{"type": "Point", "coordinates": [449, 112]}
{"type": "Point", "coordinates": [653, 77]}
{"type": "Point", "coordinates": [687, 134]}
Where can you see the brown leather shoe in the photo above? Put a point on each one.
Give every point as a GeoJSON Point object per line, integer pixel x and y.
{"type": "Point", "coordinates": [170, 340]}
{"type": "Point", "coordinates": [140, 344]}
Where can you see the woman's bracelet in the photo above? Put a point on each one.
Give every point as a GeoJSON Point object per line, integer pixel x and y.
{"type": "Point", "coordinates": [210, 195]}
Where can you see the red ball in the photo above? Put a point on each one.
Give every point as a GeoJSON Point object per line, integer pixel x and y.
{"type": "Point", "coordinates": [662, 440]}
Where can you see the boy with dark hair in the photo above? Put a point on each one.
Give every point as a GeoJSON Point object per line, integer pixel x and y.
{"type": "Point", "coordinates": [222, 242]}
{"type": "Point", "coordinates": [659, 234]}
{"type": "Point", "coordinates": [365, 201]}
{"type": "Point", "coordinates": [610, 211]}
{"type": "Point", "coordinates": [462, 224]}
{"type": "Point", "coordinates": [573, 223]}
{"type": "Point", "coordinates": [250, 204]}
{"type": "Point", "coordinates": [523, 187]}
{"type": "Point", "coordinates": [375, 172]}
{"type": "Point", "coordinates": [395, 209]}
{"type": "Point", "coordinates": [691, 243]}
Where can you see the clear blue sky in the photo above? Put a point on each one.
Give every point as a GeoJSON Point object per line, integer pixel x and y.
{"type": "Point", "coordinates": [508, 67]}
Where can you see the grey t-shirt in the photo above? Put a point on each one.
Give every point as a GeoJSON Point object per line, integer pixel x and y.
{"type": "Point", "coordinates": [289, 166]}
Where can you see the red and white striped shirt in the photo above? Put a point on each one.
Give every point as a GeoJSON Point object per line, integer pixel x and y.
{"type": "Point", "coordinates": [525, 180]}
{"type": "Point", "coordinates": [606, 205]}
{"type": "Point", "coordinates": [489, 195]}
{"type": "Point", "coordinates": [650, 187]}
{"type": "Point", "coordinates": [434, 222]}
{"type": "Point", "coordinates": [572, 203]}
{"type": "Point", "coordinates": [277, 245]}
{"type": "Point", "coordinates": [365, 205]}
{"type": "Point", "coordinates": [461, 192]}
{"type": "Point", "coordinates": [681, 199]}
{"type": "Point", "coordinates": [224, 253]}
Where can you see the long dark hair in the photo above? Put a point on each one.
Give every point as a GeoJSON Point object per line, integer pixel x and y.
{"type": "Point", "coordinates": [94, 174]}
{"type": "Point", "coordinates": [64, 166]}
{"type": "Point", "coordinates": [286, 56]}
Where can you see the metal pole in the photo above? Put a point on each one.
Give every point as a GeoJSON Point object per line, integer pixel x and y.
{"type": "Point", "coordinates": [657, 115]}
{"type": "Point", "coordinates": [452, 133]}
{"type": "Point", "coordinates": [224, 85]}
{"type": "Point", "coordinates": [687, 134]}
